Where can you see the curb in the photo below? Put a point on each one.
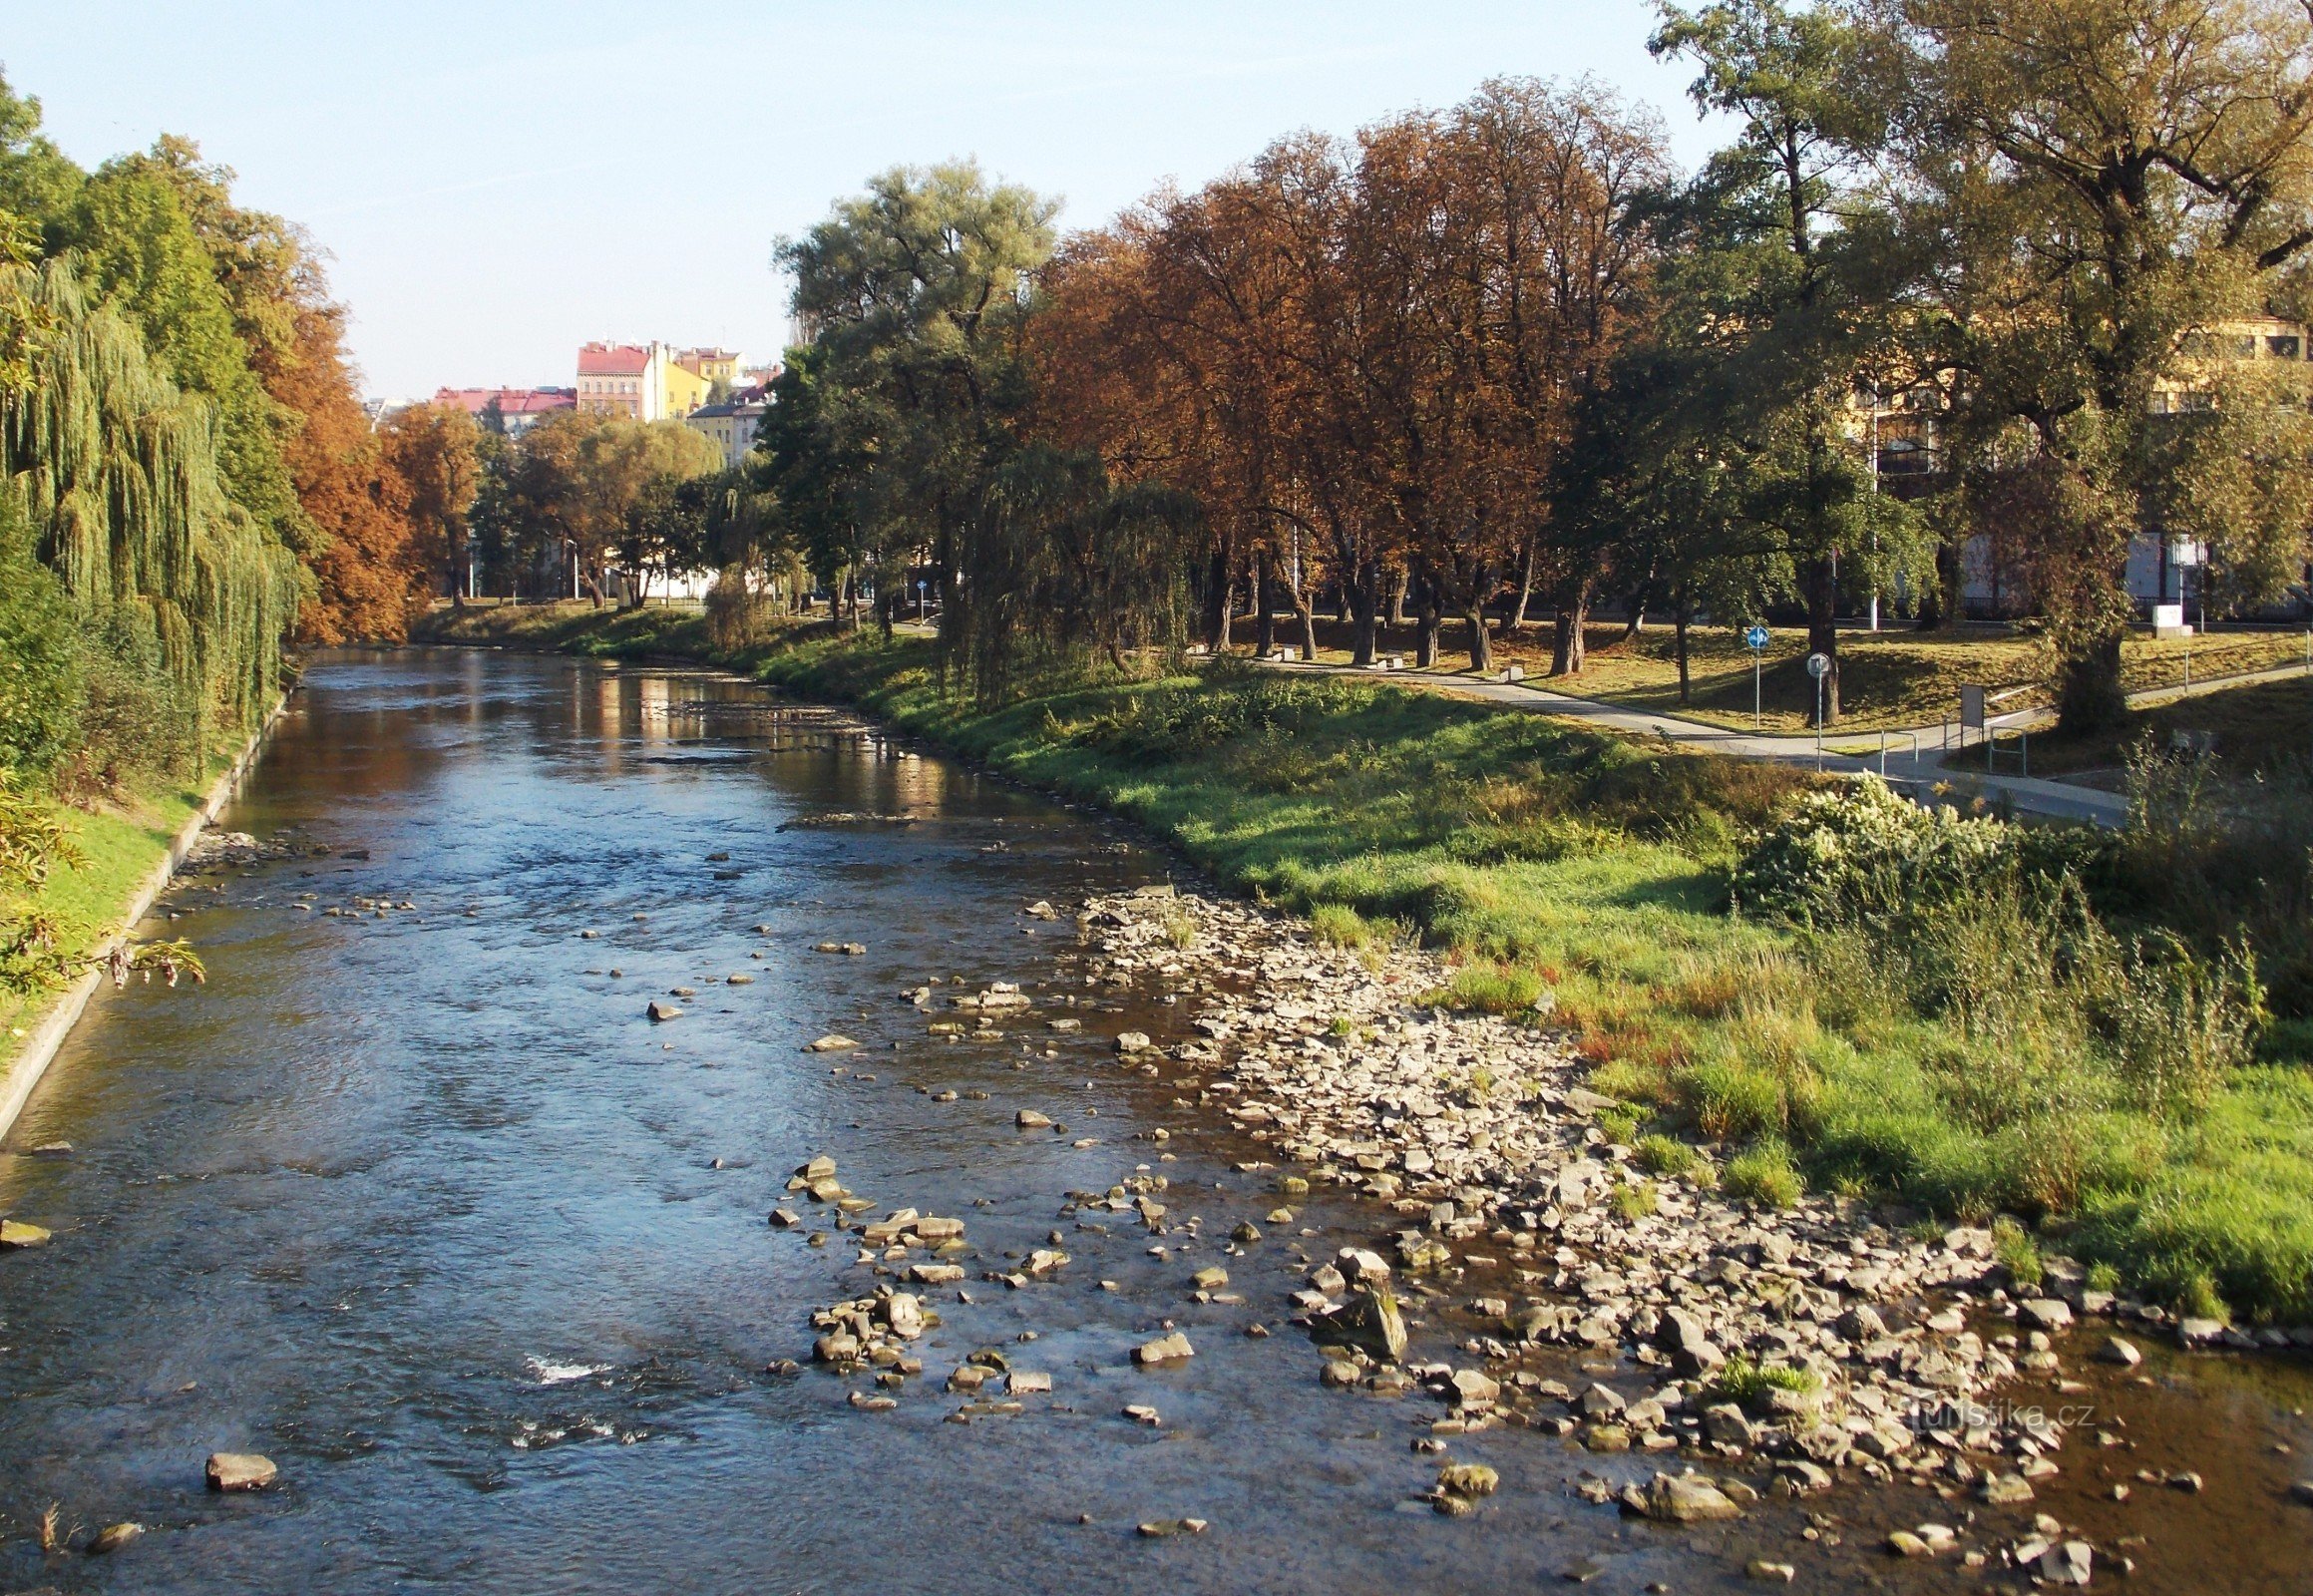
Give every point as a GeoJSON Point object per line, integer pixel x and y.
{"type": "Point", "coordinates": [47, 1034]}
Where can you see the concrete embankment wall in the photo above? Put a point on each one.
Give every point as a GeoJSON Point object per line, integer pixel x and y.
{"type": "Point", "coordinates": [47, 1033]}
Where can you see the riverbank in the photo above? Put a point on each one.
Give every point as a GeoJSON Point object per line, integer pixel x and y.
{"type": "Point", "coordinates": [128, 851]}
{"type": "Point", "coordinates": [1549, 862]}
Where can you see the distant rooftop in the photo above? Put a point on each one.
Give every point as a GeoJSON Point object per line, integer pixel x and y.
{"type": "Point", "coordinates": [612, 360]}
{"type": "Point", "coordinates": [511, 401]}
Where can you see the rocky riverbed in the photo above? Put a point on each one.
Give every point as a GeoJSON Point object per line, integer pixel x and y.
{"type": "Point", "coordinates": [1752, 1351]}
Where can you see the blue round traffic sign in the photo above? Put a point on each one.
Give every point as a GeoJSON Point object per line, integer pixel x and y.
{"type": "Point", "coordinates": [1756, 637]}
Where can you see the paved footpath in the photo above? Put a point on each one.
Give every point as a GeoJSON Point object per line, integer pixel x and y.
{"type": "Point", "coordinates": [2057, 799]}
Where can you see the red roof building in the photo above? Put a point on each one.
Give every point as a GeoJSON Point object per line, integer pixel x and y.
{"type": "Point", "coordinates": [519, 408]}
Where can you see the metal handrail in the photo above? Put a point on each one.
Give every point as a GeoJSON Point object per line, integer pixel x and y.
{"type": "Point", "coordinates": [1883, 736]}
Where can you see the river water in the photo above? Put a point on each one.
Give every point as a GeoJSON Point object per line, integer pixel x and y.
{"type": "Point", "coordinates": [414, 1199]}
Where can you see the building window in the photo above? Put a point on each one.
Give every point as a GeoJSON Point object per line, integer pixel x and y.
{"type": "Point", "coordinates": [2282, 346]}
{"type": "Point", "coordinates": [2244, 346]}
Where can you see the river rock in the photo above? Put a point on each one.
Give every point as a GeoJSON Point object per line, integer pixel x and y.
{"type": "Point", "coordinates": [1369, 1320]}
{"type": "Point", "coordinates": [832, 1042]}
{"type": "Point", "coordinates": [114, 1536]}
{"type": "Point", "coordinates": [240, 1472]}
{"type": "Point", "coordinates": [1164, 1350]}
{"type": "Point", "coordinates": [1024, 1383]}
{"type": "Point", "coordinates": [785, 1219]}
{"type": "Point", "coordinates": [1212, 1279]}
{"type": "Point", "coordinates": [1680, 1499]}
{"type": "Point", "coordinates": [1133, 1041]}
{"type": "Point", "coordinates": [2004, 1491]}
{"type": "Point", "coordinates": [1029, 1119]}
{"type": "Point", "coordinates": [1726, 1424]}
{"type": "Point", "coordinates": [2046, 1312]}
{"type": "Point", "coordinates": [660, 1012]}
{"type": "Point", "coordinates": [2072, 1563]}
{"type": "Point", "coordinates": [15, 1234]}
{"type": "Point", "coordinates": [2201, 1334]}
{"type": "Point", "coordinates": [1046, 1261]}
{"type": "Point", "coordinates": [2117, 1350]}
{"type": "Point", "coordinates": [903, 1315]}
{"type": "Point", "coordinates": [1469, 1479]}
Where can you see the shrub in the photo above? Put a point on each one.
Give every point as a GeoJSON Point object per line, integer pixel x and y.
{"type": "Point", "coordinates": [1619, 1125]}
{"type": "Point", "coordinates": [1860, 851]}
{"type": "Point", "coordinates": [1765, 1175]}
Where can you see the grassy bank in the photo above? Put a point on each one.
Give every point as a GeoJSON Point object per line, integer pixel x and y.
{"type": "Point", "coordinates": [120, 843]}
{"type": "Point", "coordinates": [1968, 1076]}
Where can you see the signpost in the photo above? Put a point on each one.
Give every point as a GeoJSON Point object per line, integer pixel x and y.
{"type": "Point", "coordinates": [1818, 667]}
{"type": "Point", "coordinates": [1757, 638]}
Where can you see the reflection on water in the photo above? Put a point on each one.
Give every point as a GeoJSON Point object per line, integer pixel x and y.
{"type": "Point", "coordinates": [417, 1202]}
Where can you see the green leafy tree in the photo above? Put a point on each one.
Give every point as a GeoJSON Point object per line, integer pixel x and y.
{"type": "Point", "coordinates": [1778, 251]}
{"type": "Point", "coordinates": [2107, 183]}
{"type": "Point", "coordinates": [914, 294]}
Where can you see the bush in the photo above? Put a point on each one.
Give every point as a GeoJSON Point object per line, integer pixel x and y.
{"type": "Point", "coordinates": [1765, 1175]}
{"type": "Point", "coordinates": [1860, 852]}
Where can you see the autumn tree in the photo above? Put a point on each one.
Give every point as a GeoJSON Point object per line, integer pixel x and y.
{"type": "Point", "coordinates": [430, 450]}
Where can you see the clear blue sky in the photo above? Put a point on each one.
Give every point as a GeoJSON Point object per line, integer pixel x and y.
{"type": "Point", "coordinates": [499, 183]}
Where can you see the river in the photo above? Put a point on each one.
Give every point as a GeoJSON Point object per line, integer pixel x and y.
{"type": "Point", "coordinates": [416, 1200]}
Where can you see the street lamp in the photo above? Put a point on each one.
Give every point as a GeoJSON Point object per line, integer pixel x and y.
{"type": "Point", "coordinates": [571, 544]}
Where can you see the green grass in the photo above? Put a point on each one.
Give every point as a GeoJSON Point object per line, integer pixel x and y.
{"type": "Point", "coordinates": [1745, 1381]}
{"type": "Point", "coordinates": [120, 845]}
{"type": "Point", "coordinates": [1548, 857]}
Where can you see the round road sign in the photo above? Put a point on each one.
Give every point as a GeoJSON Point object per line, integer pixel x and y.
{"type": "Point", "coordinates": [1756, 637]}
{"type": "Point", "coordinates": [1818, 665]}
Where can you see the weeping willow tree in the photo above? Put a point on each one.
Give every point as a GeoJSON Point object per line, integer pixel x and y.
{"type": "Point", "coordinates": [116, 472]}
{"type": "Point", "coordinates": [1061, 569]}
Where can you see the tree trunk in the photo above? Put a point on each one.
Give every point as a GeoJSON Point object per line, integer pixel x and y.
{"type": "Point", "coordinates": [2090, 699]}
{"type": "Point", "coordinates": [1309, 628]}
{"type": "Point", "coordinates": [1567, 647]}
{"type": "Point", "coordinates": [1428, 622]}
{"type": "Point", "coordinates": [1481, 647]}
{"type": "Point", "coordinates": [1824, 632]}
{"type": "Point", "coordinates": [1525, 587]}
{"type": "Point", "coordinates": [1941, 605]}
{"type": "Point", "coordinates": [1264, 616]}
{"type": "Point", "coordinates": [1363, 599]}
{"type": "Point", "coordinates": [1682, 612]}
{"type": "Point", "coordinates": [1218, 591]}
{"type": "Point", "coordinates": [1397, 597]}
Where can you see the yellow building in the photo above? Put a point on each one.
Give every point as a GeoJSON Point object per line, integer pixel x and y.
{"type": "Point", "coordinates": [686, 390]}
{"type": "Point", "coordinates": [711, 365]}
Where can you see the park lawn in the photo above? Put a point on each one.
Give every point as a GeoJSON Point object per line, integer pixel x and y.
{"type": "Point", "coordinates": [120, 844]}
{"type": "Point", "coordinates": [1891, 678]}
{"type": "Point", "coordinates": [1541, 853]}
